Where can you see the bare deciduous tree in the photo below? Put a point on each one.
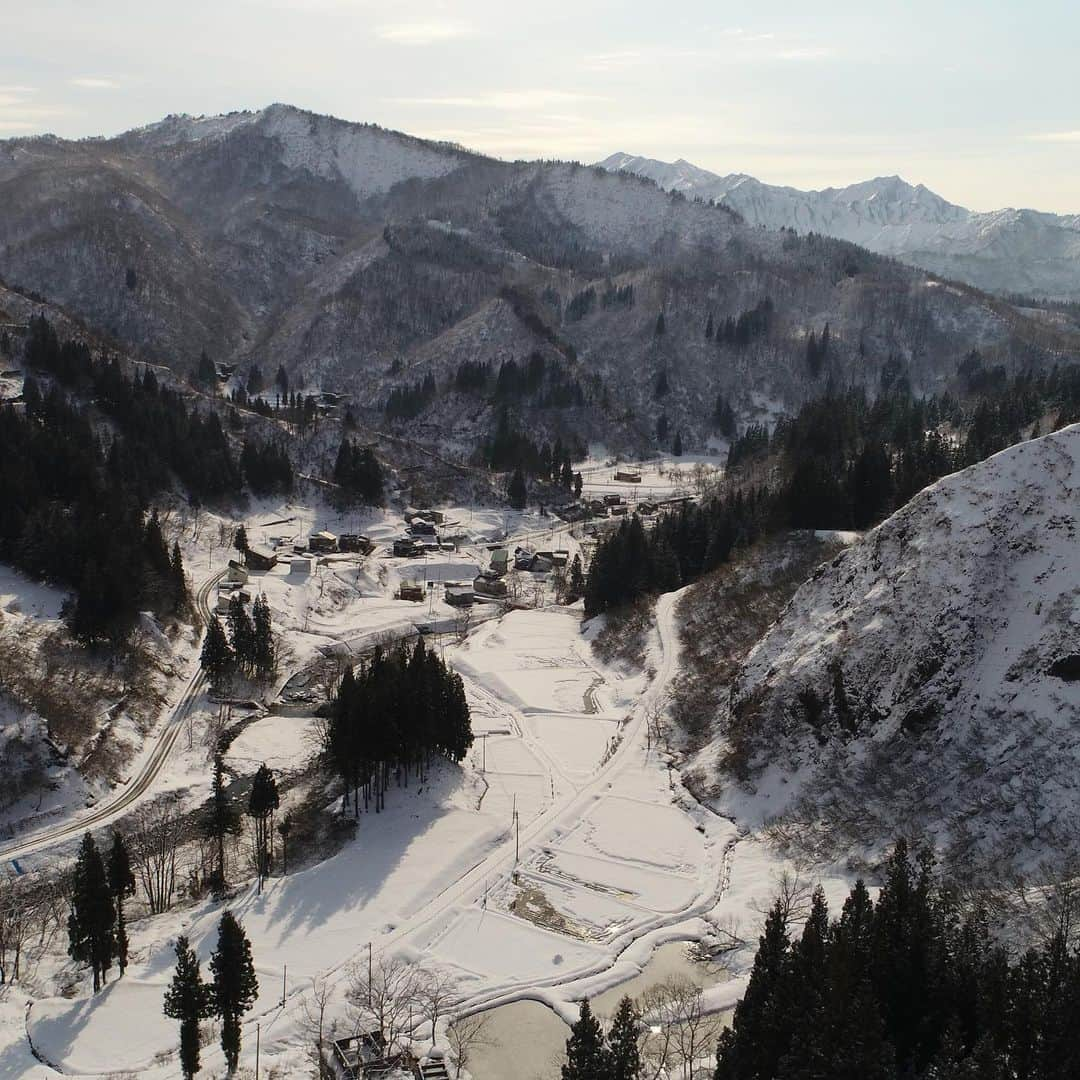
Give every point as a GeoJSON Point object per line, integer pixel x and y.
{"type": "Point", "coordinates": [384, 997]}
{"type": "Point", "coordinates": [793, 893]}
{"type": "Point", "coordinates": [465, 1034]}
{"type": "Point", "coordinates": [157, 832]}
{"type": "Point", "coordinates": [677, 1028]}
{"type": "Point", "coordinates": [318, 1030]}
{"type": "Point", "coordinates": [437, 990]}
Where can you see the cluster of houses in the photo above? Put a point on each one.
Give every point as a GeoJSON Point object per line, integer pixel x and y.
{"type": "Point", "coordinates": [232, 585]}
{"type": "Point", "coordinates": [298, 554]}
{"type": "Point", "coordinates": [423, 533]}
{"type": "Point", "coordinates": [613, 505]}
{"type": "Point", "coordinates": [366, 1056]}
{"type": "Point", "coordinates": [490, 584]}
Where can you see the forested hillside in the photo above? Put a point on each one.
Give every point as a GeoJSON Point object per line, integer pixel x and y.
{"type": "Point", "coordinates": [361, 261]}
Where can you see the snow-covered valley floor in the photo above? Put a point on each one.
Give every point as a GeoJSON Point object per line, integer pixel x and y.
{"type": "Point", "coordinates": [610, 859]}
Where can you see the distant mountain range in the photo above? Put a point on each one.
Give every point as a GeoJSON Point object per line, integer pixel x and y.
{"type": "Point", "coordinates": [366, 262]}
{"type": "Point", "coordinates": [1011, 251]}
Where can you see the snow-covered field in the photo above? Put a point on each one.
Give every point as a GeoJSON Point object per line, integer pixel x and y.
{"type": "Point", "coordinates": [608, 856]}
{"type": "Point", "coordinates": [612, 858]}
{"type": "Point", "coordinates": [663, 478]}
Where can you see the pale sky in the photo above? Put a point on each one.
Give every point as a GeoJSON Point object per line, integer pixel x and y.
{"type": "Point", "coordinates": [979, 101]}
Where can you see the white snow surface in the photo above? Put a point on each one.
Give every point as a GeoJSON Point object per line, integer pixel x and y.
{"type": "Point", "coordinates": [369, 159]}
{"type": "Point", "coordinates": [1021, 249]}
{"type": "Point", "coordinates": [924, 649]}
{"type": "Point", "coordinates": [612, 856]}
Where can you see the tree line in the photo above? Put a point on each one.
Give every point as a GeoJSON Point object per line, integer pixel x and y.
{"type": "Point", "coordinates": [845, 462]}
{"type": "Point", "coordinates": [741, 329]}
{"type": "Point", "coordinates": [910, 986]}
{"type": "Point", "coordinates": [546, 382]}
{"type": "Point", "coordinates": [249, 648]}
{"type": "Point", "coordinates": [509, 448]}
{"type": "Point", "coordinates": [842, 462]}
{"type": "Point", "coordinates": [389, 716]}
{"type": "Point", "coordinates": [160, 435]}
{"type": "Point", "coordinates": [358, 474]}
{"type": "Point", "coordinates": [72, 520]}
{"type": "Point", "coordinates": [633, 561]}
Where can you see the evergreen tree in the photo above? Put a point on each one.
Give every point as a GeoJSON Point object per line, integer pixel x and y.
{"type": "Point", "coordinates": [155, 551]}
{"type": "Point", "coordinates": [242, 634]}
{"type": "Point", "coordinates": [206, 372]}
{"type": "Point", "coordinates": [262, 802]}
{"type": "Point", "coordinates": [219, 821]}
{"type": "Point", "coordinates": [676, 446]}
{"type": "Point", "coordinates": [217, 657]}
{"type": "Point", "coordinates": [709, 328]}
{"type": "Point", "coordinates": [358, 474]}
{"type": "Point", "coordinates": [181, 598]}
{"type": "Point", "coordinates": [235, 987]}
{"type": "Point", "coordinates": [724, 417]}
{"type": "Point", "coordinates": [264, 651]}
{"type": "Point", "coordinates": [760, 1032]}
{"type": "Point", "coordinates": [284, 828]}
{"type": "Point", "coordinates": [91, 925]}
{"type": "Point", "coordinates": [624, 1055]}
{"type": "Point", "coordinates": [187, 999]}
{"type": "Point", "coordinates": [517, 492]}
{"type": "Point", "coordinates": [660, 325]}
{"type": "Point", "coordinates": [577, 579]}
{"type": "Point", "coordinates": [121, 884]}
{"type": "Point", "coordinates": [587, 1057]}
{"type": "Point", "coordinates": [240, 539]}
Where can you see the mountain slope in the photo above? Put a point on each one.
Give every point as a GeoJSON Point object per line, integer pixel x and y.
{"type": "Point", "coordinates": [365, 260]}
{"type": "Point", "coordinates": [1013, 251]}
{"type": "Point", "coordinates": [927, 681]}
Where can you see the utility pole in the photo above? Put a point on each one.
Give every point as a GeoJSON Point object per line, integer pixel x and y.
{"type": "Point", "coordinates": [258, 1041]}
{"type": "Point", "coordinates": [369, 974]}
{"type": "Point", "coordinates": [284, 973]}
{"type": "Point", "coordinates": [483, 767]}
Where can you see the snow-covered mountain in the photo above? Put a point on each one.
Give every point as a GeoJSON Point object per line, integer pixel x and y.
{"type": "Point", "coordinates": [365, 260]}
{"type": "Point", "coordinates": [1014, 251]}
{"type": "Point", "coordinates": [927, 681]}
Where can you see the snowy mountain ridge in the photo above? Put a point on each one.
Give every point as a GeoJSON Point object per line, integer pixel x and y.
{"type": "Point", "coordinates": [1009, 250]}
{"type": "Point", "coordinates": [927, 680]}
{"type": "Point", "coordinates": [365, 260]}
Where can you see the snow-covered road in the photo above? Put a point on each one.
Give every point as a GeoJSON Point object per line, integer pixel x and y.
{"type": "Point", "coordinates": [147, 768]}
{"type": "Point", "coordinates": [611, 857]}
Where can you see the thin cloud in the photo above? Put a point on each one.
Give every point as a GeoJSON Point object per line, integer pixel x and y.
{"type": "Point", "coordinates": [1055, 137]}
{"type": "Point", "coordinates": [744, 49]}
{"type": "Point", "coordinates": [505, 100]}
{"type": "Point", "coordinates": [93, 82]}
{"type": "Point", "coordinates": [422, 33]}
{"type": "Point", "coordinates": [17, 115]}
{"type": "Point", "coordinates": [612, 61]}
{"type": "Point", "coordinates": [813, 53]}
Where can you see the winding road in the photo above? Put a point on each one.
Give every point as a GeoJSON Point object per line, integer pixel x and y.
{"type": "Point", "coordinates": [151, 765]}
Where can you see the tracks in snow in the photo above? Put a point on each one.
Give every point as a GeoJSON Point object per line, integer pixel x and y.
{"type": "Point", "coordinates": [140, 784]}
